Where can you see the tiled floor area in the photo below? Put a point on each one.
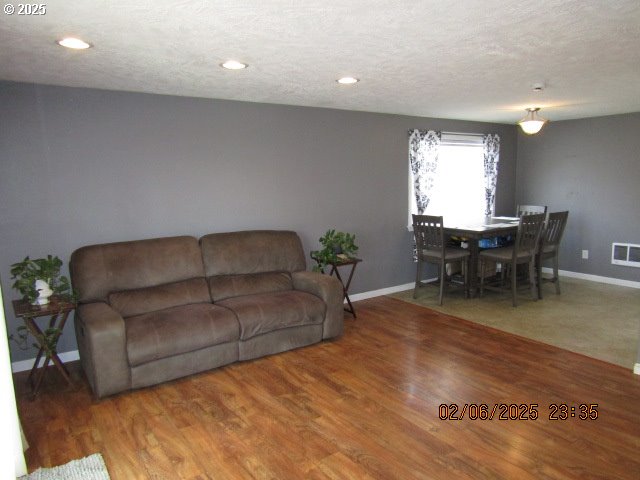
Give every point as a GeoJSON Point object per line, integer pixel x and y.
{"type": "Point", "coordinates": [596, 319]}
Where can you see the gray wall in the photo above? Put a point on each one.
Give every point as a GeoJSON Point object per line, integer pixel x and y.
{"type": "Point", "coordinates": [82, 166]}
{"type": "Point", "coordinates": [590, 167]}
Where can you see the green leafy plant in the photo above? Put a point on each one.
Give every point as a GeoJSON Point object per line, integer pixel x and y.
{"type": "Point", "coordinates": [26, 272]}
{"type": "Point", "coordinates": [335, 246]}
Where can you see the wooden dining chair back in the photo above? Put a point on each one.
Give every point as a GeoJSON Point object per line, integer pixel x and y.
{"type": "Point", "coordinates": [530, 209]}
{"type": "Point", "coordinates": [529, 231]}
{"type": "Point", "coordinates": [523, 251]}
{"type": "Point", "coordinates": [431, 248]}
{"type": "Point", "coordinates": [549, 246]}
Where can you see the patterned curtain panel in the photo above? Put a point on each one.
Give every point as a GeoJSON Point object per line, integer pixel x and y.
{"type": "Point", "coordinates": [491, 144]}
{"type": "Point", "coordinates": [423, 161]}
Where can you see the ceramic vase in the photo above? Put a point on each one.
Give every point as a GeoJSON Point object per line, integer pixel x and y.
{"type": "Point", "coordinates": [44, 292]}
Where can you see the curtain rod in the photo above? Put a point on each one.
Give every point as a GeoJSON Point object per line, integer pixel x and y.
{"type": "Point", "coordinates": [411, 130]}
{"type": "Point", "coordinates": [465, 134]}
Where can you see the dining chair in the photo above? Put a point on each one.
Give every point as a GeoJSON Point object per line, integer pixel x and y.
{"type": "Point", "coordinates": [431, 248]}
{"type": "Point", "coordinates": [549, 246]}
{"type": "Point", "coordinates": [530, 209]}
{"type": "Point", "coordinates": [523, 251]}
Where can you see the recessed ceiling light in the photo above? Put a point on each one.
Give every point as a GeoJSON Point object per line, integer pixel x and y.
{"type": "Point", "coordinates": [347, 80]}
{"type": "Point", "coordinates": [233, 65]}
{"type": "Point", "coordinates": [75, 43]}
{"type": "Point", "coordinates": [537, 87]}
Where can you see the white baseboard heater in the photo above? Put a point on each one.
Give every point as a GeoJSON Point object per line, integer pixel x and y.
{"type": "Point", "coordinates": [625, 254]}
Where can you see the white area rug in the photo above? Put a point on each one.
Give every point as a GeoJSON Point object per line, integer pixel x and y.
{"type": "Point", "coordinates": [87, 468]}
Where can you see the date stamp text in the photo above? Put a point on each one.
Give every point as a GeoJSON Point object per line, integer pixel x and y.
{"type": "Point", "coordinates": [516, 411]}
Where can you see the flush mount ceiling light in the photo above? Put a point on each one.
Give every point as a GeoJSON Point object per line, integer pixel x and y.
{"type": "Point", "coordinates": [233, 65]}
{"type": "Point", "coordinates": [74, 43]}
{"type": "Point", "coordinates": [347, 80]}
{"type": "Point", "coordinates": [532, 123]}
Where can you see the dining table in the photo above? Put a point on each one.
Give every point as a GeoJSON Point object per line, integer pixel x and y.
{"type": "Point", "coordinates": [472, 232]}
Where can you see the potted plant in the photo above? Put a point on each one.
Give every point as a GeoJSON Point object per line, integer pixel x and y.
{"type": "Point", "coordinates": [336, 246]}
{"type": "Point", "coordinates": [37, 279]}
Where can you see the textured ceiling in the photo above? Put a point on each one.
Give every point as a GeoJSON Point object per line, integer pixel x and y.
{"type": "Point", "coordinates": [473, 60]}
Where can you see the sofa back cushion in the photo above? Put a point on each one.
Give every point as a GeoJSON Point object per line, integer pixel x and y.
{"type": "Point", "coordinates": [98, 270]}
{"type": "Point", "coordinates": [227, 286]}
{"type": "Point", "coordinates": [249, 262]}
{"type": "Point", "coordinates": [151, 299]}
{"type": "Point", "coordinates": [253, 251]}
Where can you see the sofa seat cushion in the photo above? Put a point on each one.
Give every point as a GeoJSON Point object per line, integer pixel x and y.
{"type": "Point", "coordinates": [177, 330]}
{"type": "Point", "coordinates": [143, 300]}
{"type": "Point", "coordinates": [266, 312]}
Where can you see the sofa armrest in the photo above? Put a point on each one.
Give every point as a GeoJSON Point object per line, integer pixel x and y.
{"type": "Point", "coordinates": [102, 344]}
{"type": "Point", "coordinates": [329, 289]}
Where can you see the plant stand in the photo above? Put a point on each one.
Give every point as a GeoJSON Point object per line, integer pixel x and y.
{"type": "Point", "coordinates": [58, 310]}
{"type": "Point", "coordinates": [345, 286]}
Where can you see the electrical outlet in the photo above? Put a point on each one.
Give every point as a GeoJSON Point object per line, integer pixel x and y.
{"type": "Point", "coordinates": [585, 254]}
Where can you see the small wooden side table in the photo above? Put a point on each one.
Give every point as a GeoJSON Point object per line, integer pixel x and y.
{"type": "Point", "coordinates": [58, 310]}
{"type": "Point", "coordinates": [345, 286]}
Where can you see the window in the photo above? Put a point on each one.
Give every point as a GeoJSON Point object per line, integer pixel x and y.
{"type": "Point", "coordinates": [457, 181]}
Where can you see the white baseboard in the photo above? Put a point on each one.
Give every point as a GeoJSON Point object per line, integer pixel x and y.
{"type": "Point", "coordinates": [383, 291]}
{"type": "Point", "coordinates": [23, 365]}
{"type": "Point", "coordinates": [594, 278]}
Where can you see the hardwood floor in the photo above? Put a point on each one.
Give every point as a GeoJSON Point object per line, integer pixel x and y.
{"type": "Point", "coordinates": [364, 406]}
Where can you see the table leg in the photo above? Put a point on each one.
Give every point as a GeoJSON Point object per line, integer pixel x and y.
{"type": "Point", "coordinates": [35, 364]}
{"type": "Point", "coordinates": [33, 328]}
{"type": "Point", "coordinates": [40, 375]}
{"type": "Point", "coordinates": [54, 355]}
{"type": "Point", "coordinates": [61, 368]}
{"type": "Point", "coordinates": [474, 251]}
{"type": "Point", "coordinates": [345, 288]}
{"type": "Point", "coordinates": [49, 350]}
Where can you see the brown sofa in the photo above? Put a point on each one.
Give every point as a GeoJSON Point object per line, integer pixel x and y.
{"type": "Point", "coordinates": [155, 310]}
